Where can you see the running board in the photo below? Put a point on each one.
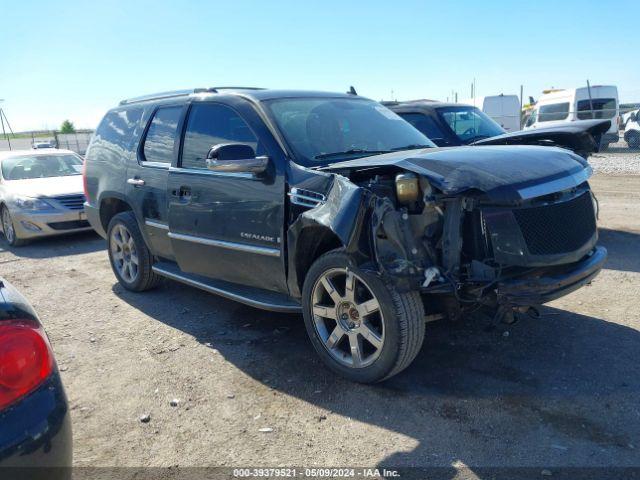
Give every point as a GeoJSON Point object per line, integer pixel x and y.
{"type": "Point", "coordinates": [254, 297]}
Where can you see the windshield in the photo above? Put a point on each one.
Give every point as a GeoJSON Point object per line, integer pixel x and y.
{"type": "Point", "coordinates": [41, 166]}
{"type": "Point", "coordinates": [429, 126]}
{"type": "Point", "coordinates": [326, 130]}
{"type": "Point", "coordinates": [469, 123]}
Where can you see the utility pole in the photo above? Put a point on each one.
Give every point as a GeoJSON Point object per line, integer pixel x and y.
{"type": "Point", "coordinates": [3, 119]}
{"type": "Point", "coordinates": [521, 103]}
{"type": "Point", "coordinates": [593, 114]}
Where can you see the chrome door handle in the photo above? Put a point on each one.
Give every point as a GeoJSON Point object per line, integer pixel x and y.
{"type": "Point", "coordinates": [138, 182]}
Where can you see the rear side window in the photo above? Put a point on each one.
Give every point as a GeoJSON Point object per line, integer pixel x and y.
{"type": "Point", "coordinates": [211, 124]}
{"type": "Point", "coordinates": [602, 108]}
{"type": "Point", "coordinates": [115, 132]}
{"type": "Point", "coordinates": [161, 136]}
{"type": "Point", "coordinates": [426, 125]}
{"type": "Point", "coordinates": [556, 111]}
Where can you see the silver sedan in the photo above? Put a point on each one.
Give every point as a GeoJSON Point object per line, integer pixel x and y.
{"type": "Point", "coordinates": [41, 194]}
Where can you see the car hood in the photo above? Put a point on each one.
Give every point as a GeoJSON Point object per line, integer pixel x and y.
{"type": "Point", "coordinates": [504, 173]}
{"type": "Point", "coordinates": [582, 137]}
{"type": "Point", "coordinates": [45, 187]}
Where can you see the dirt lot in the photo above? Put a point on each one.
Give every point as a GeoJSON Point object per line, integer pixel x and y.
{"type": "Point", "coordinates": [562, 390]}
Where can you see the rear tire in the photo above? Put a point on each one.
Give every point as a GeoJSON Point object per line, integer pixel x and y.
{"type": "Point", "coordinates": [130, 258]}
{"type": "Point", "coordinates": [367, 332]}
{"type": "Point", "coordinates": [10, 234]}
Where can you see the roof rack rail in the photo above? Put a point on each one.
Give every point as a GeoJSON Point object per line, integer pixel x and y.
{"type": "Point", "coordinates": [161, 95]}
{"type": "Point", "coordinates": [181, 93]}
{"type": "Point", "coordinates": [235, 88]}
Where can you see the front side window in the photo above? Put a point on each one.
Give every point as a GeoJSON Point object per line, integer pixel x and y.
{"type": "Point", "coordinates": [41, 166]}
{"type": "Point", "coordinates": [428, 126]}
{"type": "Point", "coordinates": [469, 123]}
{"type": "Point", "coordinates": [533, 116]}
{"type": "Point", "coordinates": [212, 124]}
{"type": "Point", "coordinates": [158, 144]}
{"type": "Point", "coordinates": [553, 112]}
{"type": "Point", "coordinates": [326, 130]}
{"type": "Point", "coordinates": [603, 108]}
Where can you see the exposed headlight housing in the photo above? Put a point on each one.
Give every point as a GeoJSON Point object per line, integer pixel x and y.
{"type": "Point", "coordinates": [30, 203]}
{"type": "Point", "coordinates": [407, 188]}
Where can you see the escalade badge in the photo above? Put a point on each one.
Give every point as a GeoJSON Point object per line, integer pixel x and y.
{"type": "Point", "coordinates": [255, 236]}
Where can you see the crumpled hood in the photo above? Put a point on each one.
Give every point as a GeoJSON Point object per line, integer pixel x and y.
{"type": "Point", "coordinates": [582, 136]}
{"type": "Point", "coordinates": [45, 187]}
{"type": "Point", "coordinates": [504, 173]}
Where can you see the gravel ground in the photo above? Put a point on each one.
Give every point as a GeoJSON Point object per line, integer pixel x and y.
{"type": "Point", "coordinates": [554, 392]}
{"type": "Point", "coordinates": [618, 159]}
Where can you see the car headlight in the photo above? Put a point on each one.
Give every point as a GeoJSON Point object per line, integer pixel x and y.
{"type": "Point", "coordinates": [29, 203]}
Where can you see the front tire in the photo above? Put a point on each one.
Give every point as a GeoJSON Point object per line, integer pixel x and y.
{"type": "Point", "coordinates": [10, 234]}
{"type": "Point", "coordinates": [130, 258]}
{"type": "Point", "coordinates": [633, 140]}
{"type": "Point", "coordinates": [361, 327]}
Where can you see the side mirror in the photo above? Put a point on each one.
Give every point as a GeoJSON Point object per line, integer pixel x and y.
{"type": "Point", "coordinates": [633, 117]}
{"type": "Point", "coordinates": [236, 158]}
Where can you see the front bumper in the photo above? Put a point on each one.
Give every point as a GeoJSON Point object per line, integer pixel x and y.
{"type": "Point", "coordinates": [35, 435]}
{"type": "Point", "coordinates": [30, 224]}
{"type": "Point", "coordinates": [610, 138]}
{"type": "Point", "coordinates": [544, 285]}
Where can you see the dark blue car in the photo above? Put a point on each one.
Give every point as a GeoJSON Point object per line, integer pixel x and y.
{"type": "Point", "coordinates": [35, 429]}
{"type": "Point", "coordinates": [331, 205]}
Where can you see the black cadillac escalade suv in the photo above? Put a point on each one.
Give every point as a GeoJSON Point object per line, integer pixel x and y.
{"type": "Point", "coordinates": [332, 205]}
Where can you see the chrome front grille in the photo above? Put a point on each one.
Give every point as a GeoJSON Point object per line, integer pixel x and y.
{"type": "Point", "coordinates": [72, 202]}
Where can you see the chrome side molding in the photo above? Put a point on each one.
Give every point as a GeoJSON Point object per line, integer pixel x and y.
{"type": "Point", "coordinates": [241, 247]}
{"type": "Point", "coordinates": [156, 224]}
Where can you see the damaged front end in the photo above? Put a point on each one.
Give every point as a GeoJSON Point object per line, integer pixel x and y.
{"type": "Point", "coordinates": [478, 232]}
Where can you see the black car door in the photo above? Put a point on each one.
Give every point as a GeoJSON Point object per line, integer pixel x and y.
{"type": "Point", "coordinates": [227, 226]}
{"type": "Point", "coordinates": [147, 178]}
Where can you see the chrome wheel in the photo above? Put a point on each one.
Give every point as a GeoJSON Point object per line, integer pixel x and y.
{"type": "Point", "coordinates": [124, 253]}
{"type": "Point", "coordinates": [347, 318]}
{"type": "Point", "coordinates": [7, 226]}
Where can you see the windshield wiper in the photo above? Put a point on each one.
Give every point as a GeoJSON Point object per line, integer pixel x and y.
{"type": "Point", "coordinates": [414, 146]}
{"type": "Point", "coordinates": [353, 151]}
{"type": "Point", "coordinates": [476, 138]}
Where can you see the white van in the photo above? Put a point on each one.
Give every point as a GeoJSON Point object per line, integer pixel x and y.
{"type": "Point", "coordinates": [567, 105]}
{"type": "Point", "coordinates": [503, 109]}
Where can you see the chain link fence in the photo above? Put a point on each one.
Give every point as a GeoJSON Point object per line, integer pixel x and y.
{"type": "Point", "coordinates": [76, 142]}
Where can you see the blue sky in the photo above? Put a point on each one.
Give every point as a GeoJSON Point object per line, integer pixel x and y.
{"type": "Point", "coordinates": [75, 59]}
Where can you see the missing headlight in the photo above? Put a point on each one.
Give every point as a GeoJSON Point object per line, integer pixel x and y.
{"type": "Point", "coordinates": [407, 188]}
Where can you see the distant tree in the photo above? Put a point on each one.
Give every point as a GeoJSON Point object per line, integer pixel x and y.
{"type": "Point", "coordinates": [67, 127]}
